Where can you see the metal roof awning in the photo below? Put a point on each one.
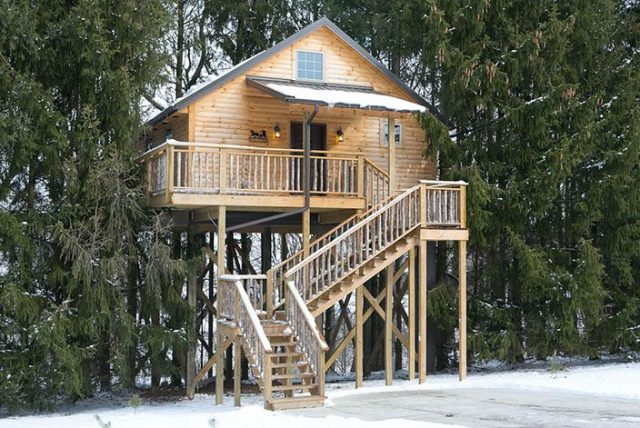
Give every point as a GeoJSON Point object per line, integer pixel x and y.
{"type": "Point", "coordinates": [333, 95]}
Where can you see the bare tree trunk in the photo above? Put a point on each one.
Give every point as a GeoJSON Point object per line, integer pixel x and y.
{"type": "Point", "coordinates": [180, 47]}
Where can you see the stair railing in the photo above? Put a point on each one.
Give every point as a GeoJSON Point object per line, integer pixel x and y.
{"type": "Point", "coordinates": [276, 280]}
{"type": "Point", "coordinates": [363, 241]}
{"type": "Point", "coordinates": [311, 342]}
{"type": "Point", "coordinates": [235, 305]}
{"type": "Point", "coordinates": [376, 184]}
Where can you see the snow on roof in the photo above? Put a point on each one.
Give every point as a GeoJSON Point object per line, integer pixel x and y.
{"type": "Point", "coordinates": [333, 97]}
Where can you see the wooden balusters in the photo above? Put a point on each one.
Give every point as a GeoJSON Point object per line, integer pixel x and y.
{"type": "Point", "coordinates": [370, 235]}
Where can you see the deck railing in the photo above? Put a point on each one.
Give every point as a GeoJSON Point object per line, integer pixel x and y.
{"type": "Point", "coordinates": [445, 203]}
{"type": "Point", "coordinates": [176, 167]}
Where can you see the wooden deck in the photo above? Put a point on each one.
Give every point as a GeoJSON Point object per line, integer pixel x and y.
{"type": "Point", "coordinates": [190, 175]}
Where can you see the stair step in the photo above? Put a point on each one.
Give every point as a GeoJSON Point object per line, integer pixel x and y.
{"type": "Point", "coordinates": [295, 402]}
{"type": "Point", "coordinates": [286, 354]}
{"type": "Point", "coordinates": [292, 364]}
{"type": "Point", "coordinates": [284, 343]}
{"type": "Point", "coordinates": [281, 335]}
{"type": "Point", "coordinates": [293, 376]}
{"type": "Point", "coordinates": [294, 387]}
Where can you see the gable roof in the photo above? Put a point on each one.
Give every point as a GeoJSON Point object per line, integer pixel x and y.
{"type": "Point", "coordinates": [204, 88]}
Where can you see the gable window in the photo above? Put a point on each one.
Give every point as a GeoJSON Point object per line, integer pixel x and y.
{"type": "Point", "coordinates": [310, 65]}
{"type": "Point", "coordinates": [384, 133]}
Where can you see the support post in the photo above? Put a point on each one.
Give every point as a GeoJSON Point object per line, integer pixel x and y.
{"type": "Point", "coordinates": [462, 310]}
{"type": "Point", "coordinates": [360, 178]}
{"type": "Point", "coordinates": [192, 333]}
{"type": "Point", "coordinates": [359, 336]}
{"type": "Point", "coordinates": [388, 327]}
{"type": "Point", "coordinates": [222, 226]}
{"type": "Point", "coordinates": [170, 163]}
{"type": "Point", "coordinates": [306, 232]}
{"type": "Point", "coordinates": [219, 368]}
{"type": "Point", "coordinates": [412, 313]}
{"type": "Point", "coordinates": [321, 372]}
{"type": "Point", "coordinates": [237, 369]}
{"type": "Point", "coordinates": [422, 305]}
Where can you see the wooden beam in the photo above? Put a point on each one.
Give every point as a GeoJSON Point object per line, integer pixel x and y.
{"type": "Point", "coordinates": [359, 354]}
{"type": "Point", "coordinates": [220, 262]}
{"type": "Point", "coordinates": [412, 315]}
{"type": "Point", "coordinates": [422, 305]}
{"type": "Point", "coordinates": [262, 202]}
{"type": "Point", "coordinates": [444, 234]}
{"type": "Point", "coordinates": [388, 327]}
{"type": "Point", "coordinates": [219, 368]}
{"type": "Point", "coordinates": [352, 330]}
{"type": "Point", "coordinates": [374, 302]}
{"type": "Point", "coordinates": [190, 368]}
{"type": "Point", "coordinates": [203, 371]}
{"type": "Point", "coordinates": [237, 369]}
{"type": "Point", "coordinates": [400, 271]}
{"type": "Point", "coordinates": [306, 232]}
{"type": "Point", "coordinates": [208, 303]}
{"type": "Point", "coordinates": [191, 118]}
{"type": "Point", "coordinates": [462, 310]}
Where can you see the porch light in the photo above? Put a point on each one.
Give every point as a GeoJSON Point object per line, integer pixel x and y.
{"type": "Point", "coordinates": [340, 135]}
{"type": "Point", "coordinates": [276, 130]}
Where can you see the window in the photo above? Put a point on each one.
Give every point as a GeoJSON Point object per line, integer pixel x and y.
{"type": "Point", "coordinates": [384, 133]}
{"type": "Point", "coordinates": [310, 65]}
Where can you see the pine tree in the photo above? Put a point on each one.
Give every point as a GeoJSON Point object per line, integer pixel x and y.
{"type": "Point", "coordinates": [534, 96]}
{"type": "Point", "coordinates": [73, 232]}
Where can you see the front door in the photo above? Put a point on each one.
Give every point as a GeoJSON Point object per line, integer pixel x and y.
{"type": "Point", "coordinates": [318, 142]}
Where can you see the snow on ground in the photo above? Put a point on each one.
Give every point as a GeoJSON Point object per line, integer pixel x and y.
{"type": "Point", "coordinates": [621, 380]}
{"type": "Point", "coordinates": [611, 380]}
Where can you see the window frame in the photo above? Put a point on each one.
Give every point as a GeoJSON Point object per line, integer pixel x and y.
{"type": "Point", "coordinates": [297, 65]}
{"type": "Point", "coordinates": [384, 131]}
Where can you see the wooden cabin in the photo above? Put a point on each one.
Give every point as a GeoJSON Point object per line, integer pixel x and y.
{"type": "Point", "coordinates": [313, 137]}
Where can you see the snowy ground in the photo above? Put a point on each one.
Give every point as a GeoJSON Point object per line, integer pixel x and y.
{"type": "Point", "coordinates": [613, 381]}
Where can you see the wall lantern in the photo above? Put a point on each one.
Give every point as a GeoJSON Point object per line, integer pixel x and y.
{"type": "Point", "coordinates": [340, 135]}
{"type": "Point", "coordinates": [276, 130]}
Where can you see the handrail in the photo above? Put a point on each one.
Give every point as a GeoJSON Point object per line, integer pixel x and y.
{"type": "Point", "coordinates": [352, 230]}
{"type": "Point", "coordinates": [376, 166]}
{"type": "Point", "coordinates": [250, 311]}
{"type": "Point", "coordinates": [359, 244]}
{"type": "Point", "coordinates": [438, 183]}
{"type": "Point", "coordinates": [310, 340]}
{"type": "Point", "coordinates": [176, 143]}
{"type": "Point", "coordinates": [307, 315]}
{"type": "Point", "coordinates": [278, 282]}
{"type": "Point", "coordinates": [376, 183]}
{"type": "Point", "coordinates": [231, 277]}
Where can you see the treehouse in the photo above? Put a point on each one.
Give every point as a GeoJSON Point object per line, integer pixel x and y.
{"type": "Point", "coordinates": [312, 137]}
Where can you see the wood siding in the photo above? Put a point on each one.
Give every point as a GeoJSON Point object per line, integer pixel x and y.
{"type": "Point", "coordinates": [229, 113]}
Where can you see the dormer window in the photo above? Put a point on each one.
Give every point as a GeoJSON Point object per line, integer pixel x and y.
{"type": "Point", "coordinates": [310, 65]}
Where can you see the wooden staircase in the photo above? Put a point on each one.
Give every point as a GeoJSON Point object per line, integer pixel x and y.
{"type": "Point", "coordinates": [329, 297]}
{"type": "Point", "coordinates": [285, 349]}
